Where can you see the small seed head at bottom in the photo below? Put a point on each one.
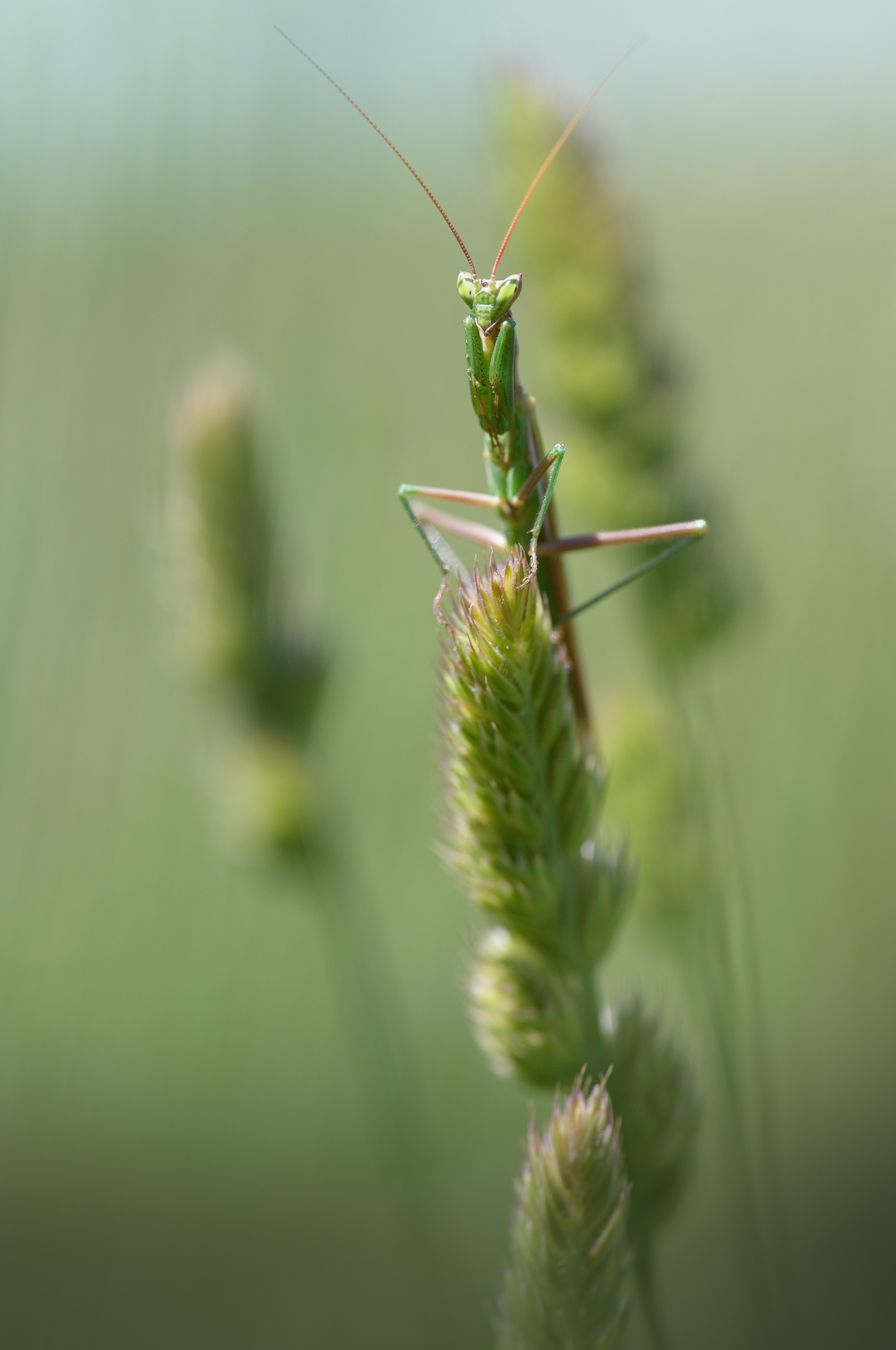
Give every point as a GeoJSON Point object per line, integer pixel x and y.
{"type": "Point", "coordinates": [569, 1281]}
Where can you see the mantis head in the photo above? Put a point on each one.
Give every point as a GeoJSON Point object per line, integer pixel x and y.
{"type": "Point", "coordinates": [490, 300]}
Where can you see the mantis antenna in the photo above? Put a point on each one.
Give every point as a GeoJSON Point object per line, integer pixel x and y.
{"type": "Point", "coordinates": [383, 137]}
{"type": "Point", "coordinates": [558, 146]}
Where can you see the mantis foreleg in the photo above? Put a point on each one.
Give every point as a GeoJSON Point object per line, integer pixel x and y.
{"type": "Point", "coordinates": [550, 465]}
{"type": "Point", "coordinates": [431, 524]}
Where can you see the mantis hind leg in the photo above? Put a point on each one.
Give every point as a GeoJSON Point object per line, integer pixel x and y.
{"type": "Point", "coordinates": [633, 575]}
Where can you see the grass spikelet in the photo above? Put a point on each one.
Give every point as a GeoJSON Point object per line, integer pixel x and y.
{"type": "Point", "coordinates": [524, 792]}
{"type": "Point", "coordinates": [656, 1101]}
{"type": "Point", "coordinates": [219, 533]}
{"type": "Point", "coordinates": [524, 789]}
{"type": "Point", "coordinates": [223, 576]}
{"type": "Point", "coordinates": [526, 1011]}
{"type": "Point", "coordinates": [568, 1285]}
{"type": "Point", "coordinates": [657, 802]}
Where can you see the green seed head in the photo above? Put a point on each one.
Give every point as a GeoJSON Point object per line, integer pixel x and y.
{"type": "Point", "coordinates": [569, 1279]}
{"type": "Point", "coordinates": [219, 532]}
{"type": "Point", "coordinates": [222, 550]}
{"type": "Point", "coordinates": [222, 573]}
{"type": "Point", "coordinates": [655, 1099]}
{"type": "Point", "coordinates": [527, 1011]}
{"type": "Point", "coordinates": [605, 885]}
{"type": "Point", "coordinates": [524, 790]}
{"type": "Point", "coordinates": [656, 801]}
{"type": "Point", "coordinates": [523, 787]}
{"type": "Point", "coordinates": [271, 802]}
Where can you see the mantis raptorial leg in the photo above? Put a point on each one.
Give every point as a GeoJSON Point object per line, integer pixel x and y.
{"type": "Point", "coordinates": [432, 525]}
{"type": "Point", "coordinates": [689, 530]}
{"type": "Point", "coordinates": [521, 478]}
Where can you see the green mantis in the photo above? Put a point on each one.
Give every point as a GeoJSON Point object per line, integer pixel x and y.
{"type": "Point", "coordinates": [520, 477]}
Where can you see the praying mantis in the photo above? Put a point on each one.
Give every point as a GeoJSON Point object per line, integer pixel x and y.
{"type": "Point", "coordinates": [521, 477]}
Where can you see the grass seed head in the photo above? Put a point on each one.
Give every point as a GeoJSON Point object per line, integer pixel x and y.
{"type": "Point", "coordinates": [569, 1277]}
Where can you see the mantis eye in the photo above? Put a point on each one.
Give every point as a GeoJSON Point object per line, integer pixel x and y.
{"type": "Point", "coordinates": [508, 290]}
{"type": "Point", "coordinates": [466, 288]}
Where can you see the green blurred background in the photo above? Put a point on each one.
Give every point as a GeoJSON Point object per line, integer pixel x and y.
{"type": "Point", "coordinates": [184, 1153]}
